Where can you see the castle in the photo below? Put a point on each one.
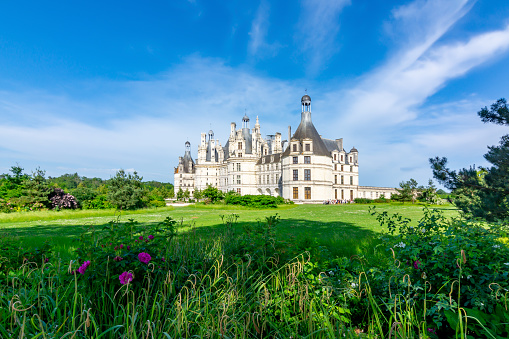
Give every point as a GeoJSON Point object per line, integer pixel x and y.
{"type": "Point", "coordinates": [306, 168]}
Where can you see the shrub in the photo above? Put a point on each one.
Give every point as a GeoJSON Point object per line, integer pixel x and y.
{"type": "Point", "coordinates": [126, 191]}
{"type": "Point", "coordinates": [257, 201]}
{"type": "Point", "coordinates": [61, 200]}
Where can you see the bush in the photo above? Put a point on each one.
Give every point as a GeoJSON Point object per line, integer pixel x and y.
{"type": "Point", "coordinates": [61, 200]}
{"type": "Point", "coordinates": [257, 201]}
{"type": "Point", "coordinates": [457, 262]}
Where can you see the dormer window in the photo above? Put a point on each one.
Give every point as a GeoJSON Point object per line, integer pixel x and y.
{"type": "Point", "coordinates": [308, 147]}
{"type": "Point", "coordinates": [295, 147]}
{"type": "Point", "coordinates": [240, 145]}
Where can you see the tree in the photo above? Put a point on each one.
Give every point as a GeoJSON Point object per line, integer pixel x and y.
{"type": "Point", "coordinates": [213, 194]}
{"type": "Point", "coordinates": [198, 195]}
{"type": "Point", "coordinates": [37, 190]}
{"type": "Point", "coordinates": [180, 194]}
{"type": "Point", "coordinates": [126, 191]}
{"type": "Point", "coordinates": [482, 192]}
{"type": "Point", "coordinates": [408, 191]}
{"type": "Point", "coordinates": [429, 194]}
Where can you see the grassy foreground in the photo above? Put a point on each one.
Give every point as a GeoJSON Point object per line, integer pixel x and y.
{"type": "Point", "coordinates": [345, 229]}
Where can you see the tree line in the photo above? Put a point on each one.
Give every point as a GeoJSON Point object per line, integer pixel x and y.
{"type": "Point", "coordinates": [21, 191]}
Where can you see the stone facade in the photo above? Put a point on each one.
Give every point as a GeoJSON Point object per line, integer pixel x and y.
{"type": "Point", "coordinates": [306, 168]}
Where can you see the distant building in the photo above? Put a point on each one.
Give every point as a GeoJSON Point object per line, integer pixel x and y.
{"type": "Point", "coordinates": [306, 168]}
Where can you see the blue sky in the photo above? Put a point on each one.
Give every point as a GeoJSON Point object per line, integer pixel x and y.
{"type": "Point", "coordinates": [92, 87]}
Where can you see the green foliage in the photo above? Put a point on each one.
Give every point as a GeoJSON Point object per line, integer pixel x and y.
{"type": "Point", "coordinates": [457, 262]}
{"type": "Point", "coordinates": [212, 194]}
{"type": "Point", "coordinates": [257, 201]}
{"type": "Point", "coordinates": [125, 191]}
{"type": "Point", "coordinates": [371, 201]}
{"type": "Point", "coordinates": [482, 192]}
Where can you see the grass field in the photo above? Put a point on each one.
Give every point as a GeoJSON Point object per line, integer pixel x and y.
{"type": "Point", "coordinates": [343, 229]}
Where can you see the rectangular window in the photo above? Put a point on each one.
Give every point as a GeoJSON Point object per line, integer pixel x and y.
{"type": "Point", "coordinates": [351, 168]}
{"type": "Point", "coordinates": [238, 179]}
{"type": "Point", "coordinates": [342, 168]}
{"type": "Point", "coordinates": [296, 193]}
{"type": "Point", "coordinates": [307, 159]}
{"type": "Point", "coordinates": [335, 179]}
{"type": "Point", "coordinates": [268, 182]}
{"type": "Point", "coordinates": [307, 174]}
{"type": "Point", "coordinates": [238, 167]}
{"type": "Point", "coordinates": [307, 192]}
{"type": "Point", "coordinates": [295, 160]}
{"type": "Point", "coordinates": [240, 145]}
{"type": "Point", "coordinates": [260, 179]}
{"type": "Point", "coordinates": [295, 175]}
{"type": "Point", "coordinates": [335, 167]}
{"type": "Point", "coordinates": [277, 166]}
{"type": "Point", "coordinates": [336, 194]}
{"type": "Point", "coordinates": [342, 195]}
{"type": "Point", "coordinates": [334, 157]}
{"type": "Point", "coordinates": [351, 180]}
{"type": "Point", "coordinates": [341, 157]}
{"type": "Point", "coordinates": [342, 180]}
{"type": "Point", "coordinates": [351, 195]}
{"type": "Point", "coordinates": [295, 147]}
{"type": "Point", "coordinates": [238, 190]}
{"type": "Point", "coordinates": [308, 147]}
{"type": "Point", "coordinates": [350, 159]}
{"type": "Point", "coordinates": [240, 155]}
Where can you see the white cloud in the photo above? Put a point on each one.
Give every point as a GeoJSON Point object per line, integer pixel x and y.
{"type": "Point", "coordinates": [258, 45]}
{"type": "Point", "coordinates": [318, 27]}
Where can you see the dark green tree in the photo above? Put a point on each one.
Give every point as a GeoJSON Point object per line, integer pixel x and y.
{"type": "Point", "coordinates": [482, 192]}
{"type": "Point", "coordinates": [37, 190]}
{"type": "Point", "coordinates": [125, 191]}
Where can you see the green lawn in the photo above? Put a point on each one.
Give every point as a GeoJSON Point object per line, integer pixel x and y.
{"type": "Point", "coordinates": [344, 229]}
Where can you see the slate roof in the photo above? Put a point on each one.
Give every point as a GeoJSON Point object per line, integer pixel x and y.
{"type": "Point", "coordinates": [307, 130]}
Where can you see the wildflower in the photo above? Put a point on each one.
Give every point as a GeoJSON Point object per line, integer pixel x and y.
{"type": "Point", "coordinates": [416, 264]}
{"type": "Point", "coordinates": [118, 258]}
{"type": "Point", "coordinates": [125, 278]}
{"type": "Point", "coordinates": [128, 248]}
{"type": "Point", "coordinates": [506, 263]}
{"type": "Point", "coordinates": [144, 257]}
{"type": "Point", "coordinates": [431, 330]}
{"type": "Point", "coordinates": [116, 248]}
{"type": "Point", "coordinates": [401, 244]}
{"type": "Point", "coordinates": [141, 237]}
{"type": "Point", "coordinates": [84, 267]}
{"type": "Point", "coordinates": [151, 237]}
{"type": "Point", "coordinates": [331, 272]}
{"type": "Point", "coordinates": [46, 260]}
{"type": "Point", "coordinates": [354, 285]}
{"type": "Point", "coordinates": [163, 259]}
{"type": "Point", "coordinates": [496, 246]}
{"type": "Point", "coordinates": [121, 246]}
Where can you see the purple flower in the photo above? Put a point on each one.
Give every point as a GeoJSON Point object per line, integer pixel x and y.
{"type": "Point", "coordinates": [46, 260]}
{"type": "Point", "coordinates": [141, 237]}
{"type": "Point", "coordinates": [117, 258]}
{"type": "Point", "coordinates": [84, 267]}
{"type": "Point", "coordinates": [144, 257]}
{"type": "Point", "coordinates": [163, 259]}
{"type": "Point", "coordinates": [128, 248]}
{"type": "Point", "coordinates": [416, 264]}
{"type": "Point", "coordinates": [151, 237]}
{"type": "Point", "coordinates": [121, 246]}
{"type": "Point", "coordinates": [432, 330]}
{"type": "Point", "coordinates": [125, 278]}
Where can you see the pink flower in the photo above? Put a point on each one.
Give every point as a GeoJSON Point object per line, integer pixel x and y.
{"type": "Point", "coordinates": [151, 237]}
{"type": "Point", "coordinates": [163, 259]}
{"type": "Point", "coordinates": [125, 278]}
{"type": "Point", "coordinates": [84, 267]}
{"type": "Point", "coordinates": [116, 248]}
{"type": "Point", "coordinates": [46, 260]}
{"type": "Point", "coordinates": [141, 237]}
{"type": "Point", "coordinates": [128, 248]}
{"type": "Point", "coordinates": [117, 258]}
{"type": "Point", "coordinates": [144, 257]}
{"type": "Point", "coordinates": [416, 264]}
{"type": "Point", "coordinates": [121, 246]}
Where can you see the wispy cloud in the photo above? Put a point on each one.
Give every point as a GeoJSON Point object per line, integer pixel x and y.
{"type": "Point", "coordinates": [317, 31]}
{"type": "Point", "coordinates": [258, 44]}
